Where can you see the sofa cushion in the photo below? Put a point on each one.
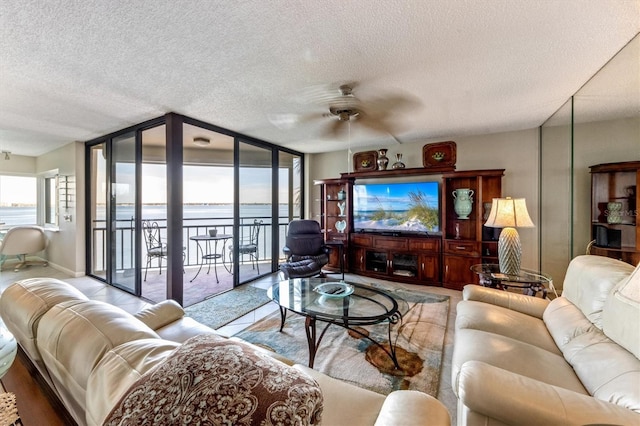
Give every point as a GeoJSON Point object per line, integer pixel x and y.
{"type": "Point", "coordinates": [73, 336]}
{"type": "Point", "coordinates": [213, 380]}
{"type": "Point", "coordinates": [118, 370]}
{"type": "Point", "coordinates": [24, 302]}
{"type": "Point", "coordinates": [514, 356]}
{"type": "Point", "coordinates": [589, 280]}
{"type": "Point", "coordinates": [608, 371]}
{"type": "Point", "coordinates": [621, 314]}
{"type": "Point", "coordinates": [499, 320]}
{"type": "Point", "coordinates": [565, 321]}
{"type": "Point", "coordinates": [167, 319]}
{"type": "Point", "coordinates": [361, 408]}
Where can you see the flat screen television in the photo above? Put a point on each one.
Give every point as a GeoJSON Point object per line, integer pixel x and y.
{"type": "Point", "coordinates": [404, 207]}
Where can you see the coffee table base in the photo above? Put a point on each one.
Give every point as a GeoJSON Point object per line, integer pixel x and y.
{"type": "Point", "coordinates": [313, 340]}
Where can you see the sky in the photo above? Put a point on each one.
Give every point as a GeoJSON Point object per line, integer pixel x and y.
{"type": "Point", "coordinates": [18, 189]}
{"type": "Point", "coordinates": [202, 184]}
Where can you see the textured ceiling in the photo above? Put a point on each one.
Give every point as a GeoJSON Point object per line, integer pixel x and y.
{"type": "Point", "coordinates": [75, 70]}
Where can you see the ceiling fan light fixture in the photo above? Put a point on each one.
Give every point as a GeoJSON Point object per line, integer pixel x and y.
{"type": "Point", "coordinates": [201, 141]}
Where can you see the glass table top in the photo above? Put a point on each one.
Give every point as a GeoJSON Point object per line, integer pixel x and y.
{"type": "Point", "coordinates": [364, 305]}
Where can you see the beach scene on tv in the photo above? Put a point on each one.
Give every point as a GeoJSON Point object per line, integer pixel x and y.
{"type": "Point", "coordinates": [396, 207]}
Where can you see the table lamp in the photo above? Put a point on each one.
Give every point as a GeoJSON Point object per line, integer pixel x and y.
{"type": "Point", "coordinates": [509, 214]}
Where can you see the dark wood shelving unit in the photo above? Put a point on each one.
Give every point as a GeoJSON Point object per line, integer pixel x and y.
{"type": "Point", "coordinates": [619, 238]}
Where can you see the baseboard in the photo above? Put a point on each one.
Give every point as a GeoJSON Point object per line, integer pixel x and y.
{"type": "Point", "coordinates": [74, 274]}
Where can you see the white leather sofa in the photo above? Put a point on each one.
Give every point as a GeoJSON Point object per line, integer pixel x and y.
{"type": "Point", "coordinates": [91, 353]}
{"type": "Point", "coordinates": [520, 360]}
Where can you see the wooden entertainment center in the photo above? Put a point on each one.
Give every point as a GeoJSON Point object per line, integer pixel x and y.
{"type": "Point", "coordinates": [438, 259]}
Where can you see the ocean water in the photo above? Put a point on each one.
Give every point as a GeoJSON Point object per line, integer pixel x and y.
{"type": "Point", "coordinates": [205, 214]}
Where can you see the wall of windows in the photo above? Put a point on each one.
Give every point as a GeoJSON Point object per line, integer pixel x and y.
{"type": "Point", "coordinates": [187, 178]}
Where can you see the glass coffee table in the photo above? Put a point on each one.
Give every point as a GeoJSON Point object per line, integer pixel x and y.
{"type": "Point", "coordinates": [338, 302]}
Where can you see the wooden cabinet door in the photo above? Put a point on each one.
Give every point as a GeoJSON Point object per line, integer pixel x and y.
{"type": "Point", "coordinates": [457, 271]}
{"type": "Point", "coordinates": [429, 269]}
{"type": "Point", "coordinates": [356, 261]}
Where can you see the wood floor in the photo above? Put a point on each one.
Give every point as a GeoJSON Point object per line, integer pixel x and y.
{"type": "Point", "coordinates": [34, 407]}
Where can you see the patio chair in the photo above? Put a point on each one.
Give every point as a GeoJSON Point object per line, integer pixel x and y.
{"type": "Point", "coordinates": [156, 249]}
{"type": "Point", "coordinates": [248, 246]}
{"type": "Point", "coordinates": [21, 241]}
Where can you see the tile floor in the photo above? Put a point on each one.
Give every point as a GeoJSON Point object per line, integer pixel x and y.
{"type": "Point", "coordinates": [99, 291]}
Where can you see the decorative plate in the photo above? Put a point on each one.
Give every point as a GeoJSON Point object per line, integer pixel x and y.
{"type": "Point", "coordinates": [365, 161]}
{"type": "Point", "coordinates": [334, 290]}
{"type": "Point", "coordinates": [441, 154]}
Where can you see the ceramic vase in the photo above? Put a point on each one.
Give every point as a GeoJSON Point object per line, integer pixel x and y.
{"type": "Point", "coordinates": [383, 161]}
{"type": "Point", "coordinates": [398, 164]}
{"type": "Point", "coordinates": [462, 202]}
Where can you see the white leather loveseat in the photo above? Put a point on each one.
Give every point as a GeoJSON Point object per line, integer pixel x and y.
{"type": "Point", "coordinates": [92, 353]}
{"type": "Point", "coordinates": [520, 360]}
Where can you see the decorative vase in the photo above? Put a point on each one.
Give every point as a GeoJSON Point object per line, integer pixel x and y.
{"type": "Point", "coordinates": [342, 194]}
{"type": "Point", "coordinates": [383, 161]}
{"type": "Point", "coordinates": [398, 164]}
{"type": "Point", "coordinates": [614, 212]}
{"type": "Point", "coordinates": [487, 210]}
{"type": "Point", "coordinates": [341, 206]}
{"type": "Point", "coordinates": [341, 225]}
{"type": "Point", "coordinates": [463, 202]}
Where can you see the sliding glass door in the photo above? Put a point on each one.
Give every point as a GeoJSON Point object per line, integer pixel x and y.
{"type": "Point", "coordinates": [123, 213]}
{"type": "Point", "coordinates": [256, 215]}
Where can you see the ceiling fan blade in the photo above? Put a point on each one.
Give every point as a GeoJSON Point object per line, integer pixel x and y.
{"type": "Point", "coordinates": [335, 129]}
{"type": "Point", "coordinates": [379, 126]}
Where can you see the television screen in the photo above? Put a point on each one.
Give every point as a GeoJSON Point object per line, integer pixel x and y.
{"type": "Point", "coordinates": [397, 207]}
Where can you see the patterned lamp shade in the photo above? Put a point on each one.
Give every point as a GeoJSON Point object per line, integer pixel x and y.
{"type": "Point", "coordinates": [509, 213]}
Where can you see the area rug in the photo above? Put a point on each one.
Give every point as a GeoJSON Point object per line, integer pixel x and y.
{"type": "Point", "coordinates": [228, 306]}
{"type": "Point", "coordinates": [348, 357]}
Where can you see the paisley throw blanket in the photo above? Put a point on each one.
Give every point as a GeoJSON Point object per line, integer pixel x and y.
{"type": "Point", "coordinates": [211, 380]}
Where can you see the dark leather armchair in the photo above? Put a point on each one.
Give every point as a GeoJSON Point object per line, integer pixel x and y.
{"type": "Point", "coordinates": [305, 250]}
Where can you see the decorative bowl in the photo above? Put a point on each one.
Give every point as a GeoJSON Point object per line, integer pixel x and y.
{"type": "Point", "coordinates": [334, 290]}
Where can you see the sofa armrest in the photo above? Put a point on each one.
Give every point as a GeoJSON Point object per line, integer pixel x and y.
{"type": "Point", "coordinates": [529, 305]}
{"type": "Point", "coordinates": [518, 400]}
{"type": "Point", "coordinates": [412, 408]}
{"type": "Point", "coordinates": [160, 314]}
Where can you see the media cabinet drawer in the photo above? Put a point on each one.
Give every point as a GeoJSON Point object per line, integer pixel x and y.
{"type": "Point", "coordinates": [469, 248]}
{"type": "Point", "coordinates": [361, 240]}
{"type": "Point", "coordinates": [426, 244]}
{"type": "Point", "coordinates": [391, 243]}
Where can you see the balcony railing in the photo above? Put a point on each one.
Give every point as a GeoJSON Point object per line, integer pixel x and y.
{"type": "Point", "coordinates": [125, 239]}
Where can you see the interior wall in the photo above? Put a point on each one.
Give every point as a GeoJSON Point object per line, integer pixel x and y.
{"type": "Point", "coordinates": [516, 152]}
{"type": "Point", "coordinates": [66, 250]}
{"type": "Point", "coordinates": [18, 164]}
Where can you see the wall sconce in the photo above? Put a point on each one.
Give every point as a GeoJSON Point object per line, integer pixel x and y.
{"type": "Point", "coordinates": [7, 155]}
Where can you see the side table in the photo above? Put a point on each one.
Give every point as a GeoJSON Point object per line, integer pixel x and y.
{"type": "Point", "coordinates": [531, 282]}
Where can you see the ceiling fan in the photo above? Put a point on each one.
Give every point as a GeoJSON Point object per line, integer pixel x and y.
{"type": "Point", "coordinates": [374, 114]}
{"type": "Point", "coordinates": [345, 109]}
